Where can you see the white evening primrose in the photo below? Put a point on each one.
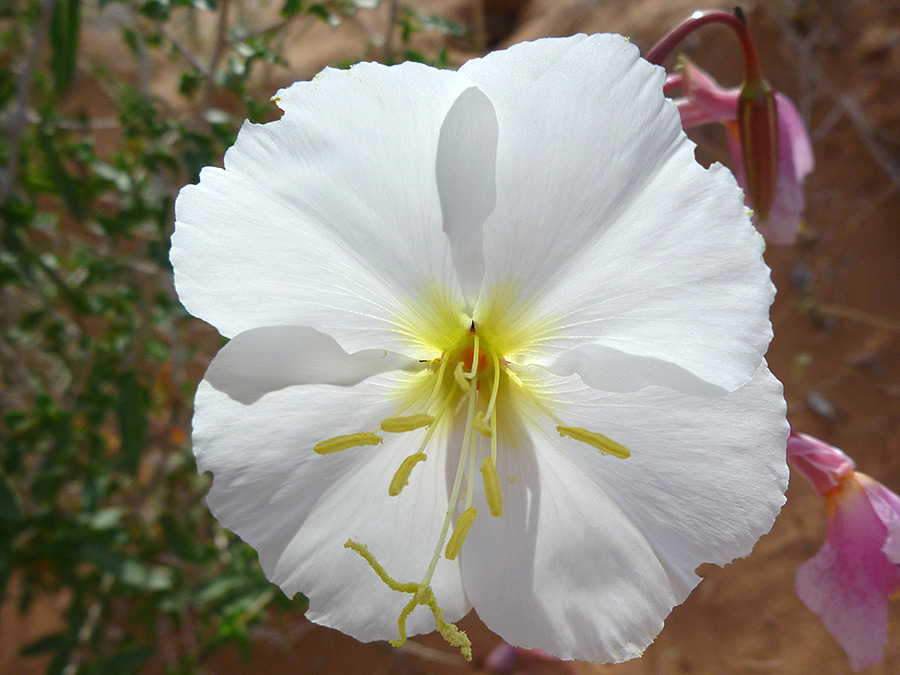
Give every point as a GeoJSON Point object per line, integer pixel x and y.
{"type": "Point", "coordinates": [496, 342]}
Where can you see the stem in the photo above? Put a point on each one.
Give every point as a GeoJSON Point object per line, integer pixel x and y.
{"type": "Point", "coordinates": [662, 49]}
{"type": "Point", "coordinates": [23, 95]}
{"type": "Point", "coordinates": [389, 34]}
{"type": "Point", "coordinates": [860, 316]}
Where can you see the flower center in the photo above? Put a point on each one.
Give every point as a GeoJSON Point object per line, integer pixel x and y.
{"type": "Point", "coordinates": [467, 381]}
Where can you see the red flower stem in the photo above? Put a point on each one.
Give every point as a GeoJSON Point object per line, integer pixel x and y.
{"type": "Point", "coordinates": [663, 48]}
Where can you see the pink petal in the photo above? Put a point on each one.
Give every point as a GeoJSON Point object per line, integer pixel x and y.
{"type": "Point", "coordinates": [704, 92]}
{"type": "Point", "coordinates": [823, 465]}
{"type": "Point", "coordinates": [847, 583]}
{"type": "Point", "coordinates": [706, 101]}
{"type": "Point", "coordinates": [887, 507]}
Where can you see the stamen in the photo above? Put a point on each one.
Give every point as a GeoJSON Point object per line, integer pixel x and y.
{"type": "Point", "coordinates": [463, 523]}
{"type": "Point", "coordinates": [398, 425]}
{"type": "Point", "coordinates": [460, 377]}
{"type": "Point", "coordinates": [454, 493]}
{"type": "Point", "coordinates": [492, 487]}
{"type": "Point", "coordinates": [339, 443]}
{"type": "Point", "coordinates": [494, 438]}
{"type": "Point", "coordinates": [495, 387]}
{"type": "Point", "coordinates": [471, 374]}
{"type": "Point", "coordinates": [483, 427]}
{"type": "Point", "coordinates": [438, 381]}
{"type": "Point", "coordinates": [401, 478]}
{"type": "Point", "coordinates": [602, 443]}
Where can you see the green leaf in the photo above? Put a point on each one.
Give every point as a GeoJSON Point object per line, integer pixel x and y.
{"type": "Point", "coordinates": [128, 571]}
{"type": "Point", "coordinates": [291, 7]}
{"type": "Point", "coordinates": [9, 505]}
{"type": "Point", "coordinates": [65, 26]}
{"type": "Point", "coordinates": [126, 661]}
{"type": "Point", "coordinates": [132, 420]}
{"type": "Point", "coordinates": [68, 187]}
{"type": "Point", "coordinates": [48, 643]}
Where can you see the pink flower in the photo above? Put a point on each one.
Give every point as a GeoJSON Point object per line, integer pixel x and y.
{"type": "Point", "coordinates": [505, 659]}
{"type": "Point", "coordinates": [848, 582]}
{"type": "Point", "coordinates": [704, 101]}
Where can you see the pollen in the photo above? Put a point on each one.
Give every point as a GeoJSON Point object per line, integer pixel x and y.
{"type": "Point", "coordinates": [492, 487]}
{"type": "Point", "coordinates": [398, 425]}
{"type": "Point", "coordinates": [401, 477]}
{"type": "Point", "coordinates": [603, 443]}
{"type": "Point", "coordinates": [463, 525]}
{"type": "Point", "coordinates": [346, 442]}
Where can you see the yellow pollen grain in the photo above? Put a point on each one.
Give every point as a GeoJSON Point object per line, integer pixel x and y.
{"type": "Point", "coordinates": [463, 523]}
{"type": "Point", "coordinates": [339, 443]}
{"type": "Point", "coordinates": [398, 425]}
{"type": "Point", "coordinates": [401, 478]}
{"type": "Point", "coordinates": [602, 443]}
{"type": "Point", "coordinates": [492, 487]}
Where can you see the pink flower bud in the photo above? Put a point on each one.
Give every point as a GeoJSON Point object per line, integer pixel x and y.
{"type": "Point", "coordinates": [704, 101]}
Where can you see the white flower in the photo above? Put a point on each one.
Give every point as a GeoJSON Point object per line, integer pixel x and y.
{"type": "Point", "coordinates": [522, 266]}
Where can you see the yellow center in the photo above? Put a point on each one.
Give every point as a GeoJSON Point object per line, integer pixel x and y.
{"type": "Point", "coordinates": [470, 381]}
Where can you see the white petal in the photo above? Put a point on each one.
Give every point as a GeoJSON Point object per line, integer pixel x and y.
{"type": "Point", "coordinates": [466, 176]}
{"type": "Point", "coordinates": [606, 229]}
{"type": "Point", "coordinates": [329, 217]}
{"type": "Point", "coordinates": [266, 359]}
{"type": "Point", "coordinates": [297, 508]}
{"type": "Point", "coordinates": [563, 569]}
{"type": "Point", "coordinates": [592, 552]}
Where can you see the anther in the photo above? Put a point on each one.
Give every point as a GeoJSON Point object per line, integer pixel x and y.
{"type": "Point", "coordinates": [398, 425]}
{"type": "Point", "coordinates": [463, 523]}
{"type": "Point", "coordinates": [339, 443]}
{"type": "Point", "coordinates": [401, 478]}
{"type": "Point", "coordinates": [483, 427]}
{"type": "Point", "coordinates": [602, 443]}
{"type": "Point", "coordinates": [492, 487]}
{"type": "Point", "coordinates": [460, 377]}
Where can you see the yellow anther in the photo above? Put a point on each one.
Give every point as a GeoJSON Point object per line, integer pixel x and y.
{"type": "Point", "coordinates": [339, 443]}
{"type": "Point", "coordinates": [492, 487]}
{"type": "Point", "coordinates": [599, 441]}
{"type": "Point", "coordinates": [463, 523]}
{"type": "Point", "coordinates": [397, 425]}
{"type": "Point", "coordinates": [460, 376]}
{"type": "Point", "coordinates": [483, 427]}
{"type": "Point", "coordinates": [401, 478]}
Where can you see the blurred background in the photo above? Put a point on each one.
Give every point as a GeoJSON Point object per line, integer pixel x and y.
{"type": "Point", "coordinates": [109, 559]}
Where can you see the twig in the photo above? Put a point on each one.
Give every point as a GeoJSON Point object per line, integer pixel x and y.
{"type": "Point", "coordinates": [429, 654]}
{"type": "Point", "coordinates": [218, 53]}
{"type": "Point", "coordinates": [23, 94]}
{"type": "Point", "coordinates": [75, 124]}
{"type": "Point", "coordinates": [185, 51]}
{"type": "Point", "coordinates": [860, 316]}
{"type": "Point", "coordinates": [864, 130]}
{"type": "Point", "coordinates": [389, 33]}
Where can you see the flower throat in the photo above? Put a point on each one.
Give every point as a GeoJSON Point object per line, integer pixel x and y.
{"type": "Point", "coordinates": [469, 380]}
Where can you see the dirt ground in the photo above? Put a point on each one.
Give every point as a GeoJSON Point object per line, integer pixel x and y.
{"type": "Point", "coordinates": [836, 321]}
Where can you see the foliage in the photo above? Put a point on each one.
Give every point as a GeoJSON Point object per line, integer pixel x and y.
{"type": "Point", "coordinates": [101, 508]}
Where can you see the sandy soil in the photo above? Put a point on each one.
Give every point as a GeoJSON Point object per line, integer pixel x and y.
{"type": "Point", "coordinates": [836, 319]}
